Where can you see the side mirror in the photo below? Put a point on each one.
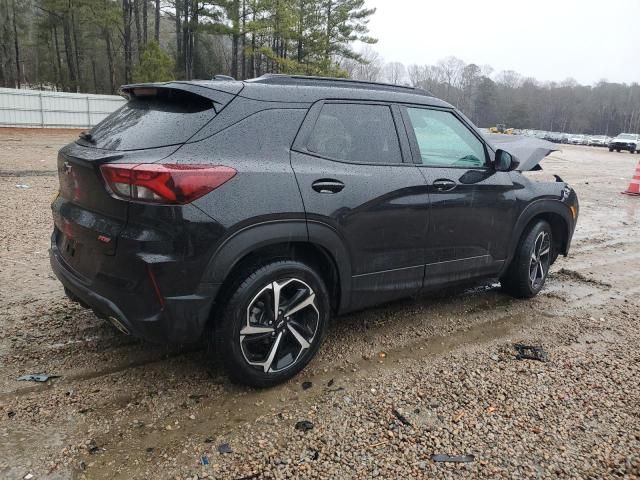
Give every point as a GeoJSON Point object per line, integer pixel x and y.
{"type": "Point", "coordinates": [504, 161]}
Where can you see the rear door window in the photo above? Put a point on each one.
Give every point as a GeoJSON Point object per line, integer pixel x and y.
{"type": "Point", "coordinates": [157, 117]}
{"type": "Point", "coordinates": [356, 133]}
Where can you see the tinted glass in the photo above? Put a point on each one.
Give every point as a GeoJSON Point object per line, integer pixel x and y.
{"type": "Point", "coordinates": [356, 133]}
{"type": "Point", "coordinates": [167, 118]}
{"type": "Point", "coordinates": [443, 140]}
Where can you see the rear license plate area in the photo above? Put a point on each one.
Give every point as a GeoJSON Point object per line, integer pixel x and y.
{"type": "Point", "coordinates": [68, 247]}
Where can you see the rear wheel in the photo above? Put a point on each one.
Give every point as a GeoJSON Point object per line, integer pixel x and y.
{"type": "Point", "coordinates": [273, 324]}
{"type": "Point", "coordinates": [529, 269]}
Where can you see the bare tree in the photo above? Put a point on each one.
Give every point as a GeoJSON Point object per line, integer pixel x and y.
{"type": "Point", "coordinates": [451, 68]}
{"type": "Point", "coordinates": [486, 70]}
{"type": "Point", "coordinates": [395, 72]}
{"type": "Point", "coordinates": [416, 74]}
{"type": "Point", "coordinates": [510, 79]}
{"type": "Point", "coordinates": [368, 67]}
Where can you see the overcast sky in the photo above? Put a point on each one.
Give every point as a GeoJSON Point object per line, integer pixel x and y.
{"type": "Point", "coordinates": [587, 40]}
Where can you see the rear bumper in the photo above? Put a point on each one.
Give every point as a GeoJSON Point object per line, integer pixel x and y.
{"type": "Point", "coordinates": [162, 320]}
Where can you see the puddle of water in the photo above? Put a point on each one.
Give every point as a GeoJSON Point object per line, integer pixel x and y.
{"type": "Point", "coordinates": [26, 443]}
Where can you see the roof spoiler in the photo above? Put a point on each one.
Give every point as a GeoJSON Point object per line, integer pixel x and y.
{"type": "Point", "coordinates": [205, 88]}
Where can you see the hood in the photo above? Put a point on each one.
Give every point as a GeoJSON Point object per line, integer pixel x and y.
{"type": "Point", "coordinates": [528, 151]}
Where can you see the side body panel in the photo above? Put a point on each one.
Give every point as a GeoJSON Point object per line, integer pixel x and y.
{"type": "Point", "coordinates": [380, 216]}
{"type": "Point", "coordinates": [473, 210]}
{"type": "Point", "coordinates": [262, 197]}
{"type": "Point", "coordinates": [470, 226]}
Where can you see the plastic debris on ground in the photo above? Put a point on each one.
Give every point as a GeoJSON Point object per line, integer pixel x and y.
{"type": "Point", "coordinates": [37, 377]}
{"type": "Point", "coordinates": [304, 425]}
{"type": "Point", "coordinates": [224, 448]}
{"type": "Point", "coordinates": [528, 352]}
{"type": "Point", "coordinates": [453, 458]}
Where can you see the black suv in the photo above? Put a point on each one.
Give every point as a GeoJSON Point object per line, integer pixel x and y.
{"type": "Point", "coordinates": [250, 212]}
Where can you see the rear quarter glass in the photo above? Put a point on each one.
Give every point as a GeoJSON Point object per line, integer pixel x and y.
{"type": "Point", "coordinates": [167, 117]}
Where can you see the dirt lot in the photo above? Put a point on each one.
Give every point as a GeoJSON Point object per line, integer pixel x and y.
{"type": "Point", "coordinates": [445, 365]}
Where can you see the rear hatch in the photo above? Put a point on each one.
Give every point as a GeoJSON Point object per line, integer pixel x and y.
{"type": "Point", "coordinates": [156, 121]}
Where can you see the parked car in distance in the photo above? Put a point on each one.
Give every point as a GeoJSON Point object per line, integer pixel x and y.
{"type": "Point", "coordinates": [578, 140]}
{"type": "Point", "coordinates": [599, 141]}
{"type": "Point", "coordinates": [625, 141]}
{"type": "Point", "coordinates": [248, 213]}
{"type": "Point", "coordinates": [555, 137]}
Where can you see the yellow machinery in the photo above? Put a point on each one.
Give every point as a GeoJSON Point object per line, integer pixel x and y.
{"type": "Point", "coordinates": [501, 128]}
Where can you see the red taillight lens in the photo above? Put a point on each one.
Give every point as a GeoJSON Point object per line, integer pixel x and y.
{"type": "Point", "coordinates": [167, 184]}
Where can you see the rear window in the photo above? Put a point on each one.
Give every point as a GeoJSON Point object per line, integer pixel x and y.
{"type": "Point", "coordinates": [155, 117]}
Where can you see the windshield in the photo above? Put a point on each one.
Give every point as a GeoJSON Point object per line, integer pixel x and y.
{"type": "Point", "coordinates": [627, 136]}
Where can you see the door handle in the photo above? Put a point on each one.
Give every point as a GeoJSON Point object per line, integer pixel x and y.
{"type": "Point", "coordinates": [327, 186]}
{"type": "Point", "coordinates": [444, 185]}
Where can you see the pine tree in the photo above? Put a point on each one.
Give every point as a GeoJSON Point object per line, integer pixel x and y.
{"type": "Point", "coordinates": [155, 65]}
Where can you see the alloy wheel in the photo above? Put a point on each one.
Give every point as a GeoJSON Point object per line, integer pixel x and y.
{"type": "Point", "coordinates": [540, 256]}
{"type": "Point", "coordinates": [282, 321]}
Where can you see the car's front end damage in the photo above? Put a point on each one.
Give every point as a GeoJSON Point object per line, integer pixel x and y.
{"type": "Point", "coordinates": [556, 196]}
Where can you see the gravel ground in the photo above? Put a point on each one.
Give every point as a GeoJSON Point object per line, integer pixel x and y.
{"type": "Point", "coordinates": [391, 386]}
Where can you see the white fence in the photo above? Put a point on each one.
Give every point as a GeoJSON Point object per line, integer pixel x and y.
{"type": "Point", "coordinates": [34, 108]}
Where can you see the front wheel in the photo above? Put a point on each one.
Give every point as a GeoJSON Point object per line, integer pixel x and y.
{"type": "Point", "coordinates": [273, 324]}
{"type": "Point", "coordinates": [530, 266]}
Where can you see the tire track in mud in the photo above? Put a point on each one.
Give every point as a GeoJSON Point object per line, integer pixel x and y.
{"type": "Point", "coordinates": [98, 338]}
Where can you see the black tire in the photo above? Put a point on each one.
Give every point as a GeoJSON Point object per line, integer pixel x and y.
{"type": "Point", "coordinates": [618, 150]}
{"type": "Point", "coordinates": [521, 280]}
{"type": "Point", "coordinates": [611, 149]}
{"type": "Point", "coordinates": [251, 307]}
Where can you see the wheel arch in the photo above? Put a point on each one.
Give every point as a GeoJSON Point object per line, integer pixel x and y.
{"type": "Point", "coordinates": [556, 213]}
{"type": "Point", "coordinates": [319, 246]}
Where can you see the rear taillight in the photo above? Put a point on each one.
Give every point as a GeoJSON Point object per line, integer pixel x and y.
{"type": "Point", "coordinates": [166, 184]}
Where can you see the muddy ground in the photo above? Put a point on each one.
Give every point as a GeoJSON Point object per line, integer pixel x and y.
{"type": "Point", "coordinates": [445, 365]}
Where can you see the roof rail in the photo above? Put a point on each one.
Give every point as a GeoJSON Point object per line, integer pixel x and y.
{"type": "Point", "coordinates": [283, 79]}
